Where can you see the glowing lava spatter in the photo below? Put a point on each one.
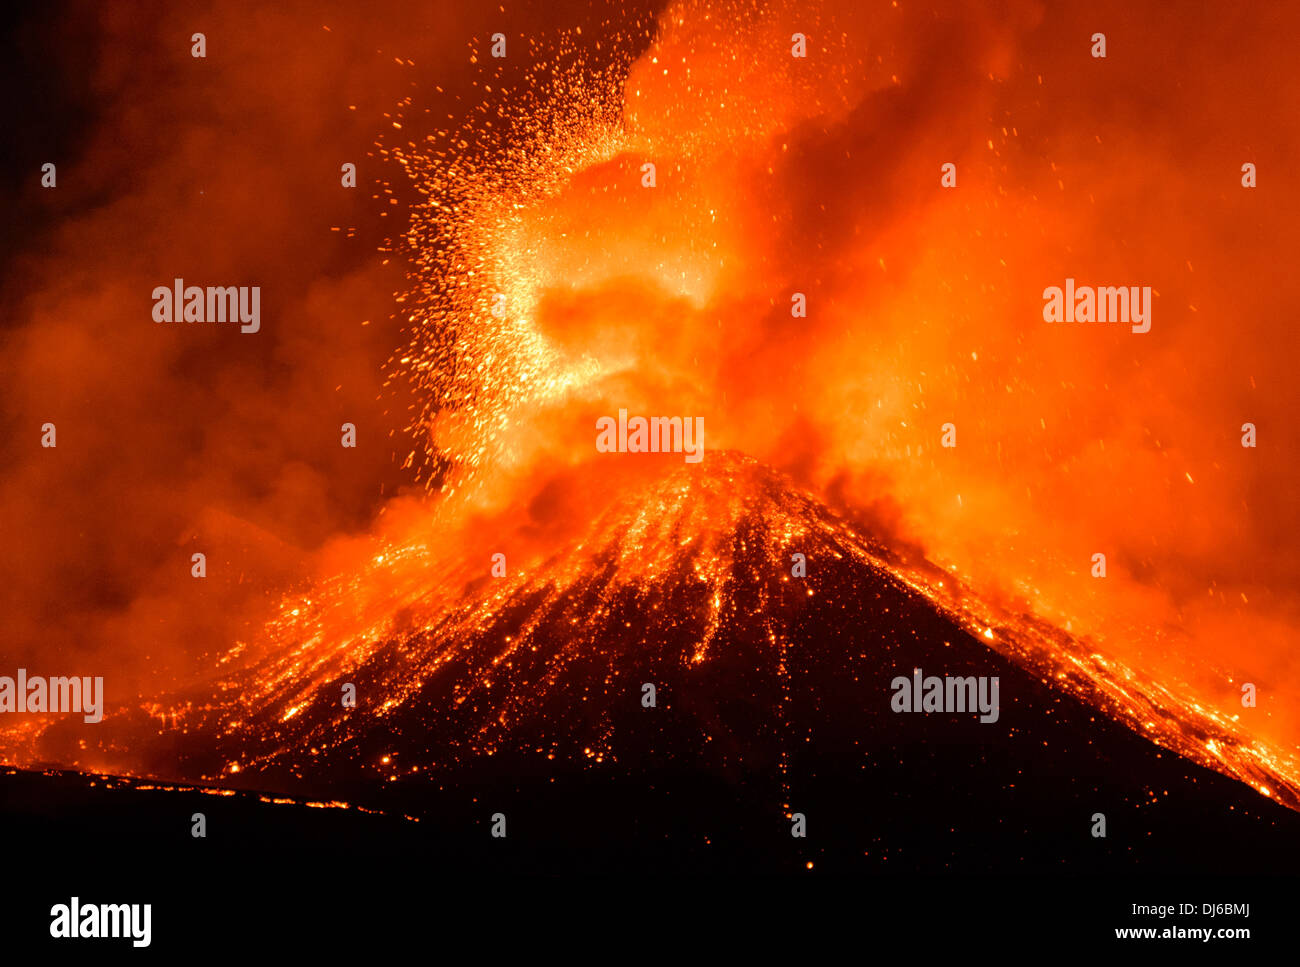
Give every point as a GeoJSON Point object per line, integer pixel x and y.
{"type": "Point", "coordinates": [475, 355]}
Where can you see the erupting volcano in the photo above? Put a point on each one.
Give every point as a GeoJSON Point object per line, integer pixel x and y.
{"type": "Point", "coordinates": [453, 584]}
